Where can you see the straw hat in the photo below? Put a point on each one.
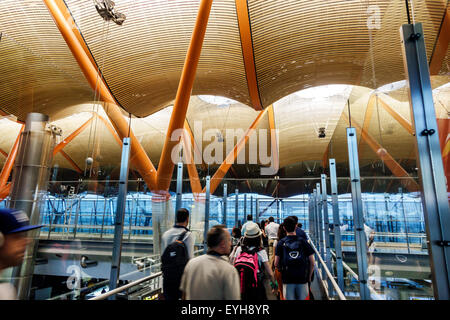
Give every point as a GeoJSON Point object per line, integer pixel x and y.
{"type": "Point", "coordinates": [252, 231]}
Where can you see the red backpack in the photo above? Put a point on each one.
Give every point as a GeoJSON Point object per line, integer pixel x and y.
{"type": "Point", "coordinates": [247, 266]}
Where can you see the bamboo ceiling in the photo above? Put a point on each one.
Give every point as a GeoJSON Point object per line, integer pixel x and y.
{"type": "Point", "coordinates": [296, 44]}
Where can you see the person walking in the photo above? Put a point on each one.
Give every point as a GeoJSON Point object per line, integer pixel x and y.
{"type": "Point", "coordinates": [249, 220]}
{"type": "Point", "coordinates": [277, 272]}
{"type": "Point", "coordinates": [271, 231]}
{"type": "Point", "coordinates": [294, 256]}
{"type": "Point", "coordinates": [251, 260]}
{"type": "Point", "coordinates": [211, 276]}
{"type": "Point", "coordinates": [14, 225]}
{"type": "Point", "coordinates": [177, 247]}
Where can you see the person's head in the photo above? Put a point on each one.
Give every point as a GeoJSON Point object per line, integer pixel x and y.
{"type": "Point", "coordinates": [271, 219]}
{"type": "Point", "coordinates": [281, 232]}
{"type": "Point", "coordinates": [182, 217]}
{"type": "Point", "coordinates": [300, 225]}
{"type": "Point", "coordinates": [252, 236]}
{"type": "Point", "coordinates": [289, 224]}
{"type": "Point", "coordinates": [14, 225]}
{"type": "Point", "coordinates": [236, 232]}
{"type": "Point", "coordinates": [295, 218]}
{"type": "Point", "coordinates": [218, 239]}
{"type": "Point", "coordinates": [249, 217]}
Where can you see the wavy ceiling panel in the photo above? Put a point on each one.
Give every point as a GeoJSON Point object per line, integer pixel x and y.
{"type": "Point", "coordinates": [299, 44]}
{"type": "Point", "coordinates": [142, 60]}
{"type": "Point", "coordinates": [37, 70]}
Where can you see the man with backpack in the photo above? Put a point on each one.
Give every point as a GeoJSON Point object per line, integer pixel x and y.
{"type": "Point", "coordinates": [177, 247]}
{"type": "Point", "coordinates": [294, 257]}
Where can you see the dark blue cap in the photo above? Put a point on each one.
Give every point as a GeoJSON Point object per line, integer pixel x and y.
{"type": "Point", "coordinates": [13, 221]}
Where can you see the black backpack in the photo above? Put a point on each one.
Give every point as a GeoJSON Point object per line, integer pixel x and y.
{"type": "Point", "coordinates": [174, 260]}
{"type": "Point", "coordinates": [294, 264]}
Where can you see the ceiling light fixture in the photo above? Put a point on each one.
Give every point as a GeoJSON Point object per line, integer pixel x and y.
{"type": "Point", "coordinates": [105, 9]}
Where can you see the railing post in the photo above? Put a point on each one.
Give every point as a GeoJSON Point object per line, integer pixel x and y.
{"type": "Point", "coordinates": [337, 224]}
{"type": "Point", "coordinates": [225, 196]}
{"type": "Point", "coordinates": [179, 186]}
{"type": "Point", "coordinates": [257, 209]}
{"type": "Point", "coordinates": [431, 171]}
{"type": "Point", "coordinates": [245, 208]}
{"type": "Point", "coordinates": [358, 218]}
{"type": "Point", "coordinates": [120, 215]}
{"type": "Point", "coordinates": [208, 180]}
{"type": "Point", "coordinates": [327, 229]}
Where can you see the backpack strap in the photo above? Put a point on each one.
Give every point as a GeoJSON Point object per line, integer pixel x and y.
{"type": "Point", "coordinates": [181, 236]}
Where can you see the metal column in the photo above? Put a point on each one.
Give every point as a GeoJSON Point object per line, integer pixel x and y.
{"type": "Point", "coordinates": [337, 224]}
{"type": "Point", "coordinates": [208, 182]}
{"type": "Point", "coordinates": [225, 195]}
{"type": "Point", "coordinates": [245, 208]}
{"type": "Point", "coordinates": [278, 211]}
{"type": "Point", "coordinates": [29, 182]}
{"type": "Point", "coordinates": [236, 208]}
{"type": "Point", "coordinates": [431, 172]}
{"type": "Point", "coordinates": [257, 210]}
{"type": "Point", "coordinates": [319, 214]}
{"type": "Point", "coordinates": [327, 229]}
{"type": "Point", "coordinates": [358, 218]}
{"type": "Point", "coordinates": [251, 205]}
{"type": "Point", "coordinates": [120, 215]}
{"type": "Point", "coordinates": [179, 186]}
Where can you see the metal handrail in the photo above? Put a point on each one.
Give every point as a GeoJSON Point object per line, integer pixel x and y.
{"type": "Point", "coordinates": [330, 276]}
{"type": "Point", "coordinates": [135, 283]}
{"type": "Point", "coordinates": [355, 276]}
{"type": "Point", "coordinates": [127, 286]}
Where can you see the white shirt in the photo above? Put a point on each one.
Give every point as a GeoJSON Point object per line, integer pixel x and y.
{"type": "Point", "coordinates": [7, 292]}
{"type": "Point", "coordinates": [172, 234]}
{"type": "Point", "coordinates": [272, 230]}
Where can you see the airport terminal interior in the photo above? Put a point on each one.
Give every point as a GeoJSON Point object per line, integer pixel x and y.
{"type": "Point", "coordinates": [114, 114]}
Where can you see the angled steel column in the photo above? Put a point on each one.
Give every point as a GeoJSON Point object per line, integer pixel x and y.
{"type": "Point", "coordinates": [208, 180]}
{"type": "Point", "coordinates": [337, 224]}
{"type": "Point", "coordinates": [9, 163]}
{"type": "Point", "coordinates": [225, 196]}
{"type": "Point", "coordinates": [236, 208]}
{"type": "Point", "coordinates": [180, 106]}
{"type": "Point", "coordinates": [360, 236]}
{"type": "Point", "coordinates": [431, 171]}
{"type": "Point", "coordinates": [120, 215]}
{"type": "Point", "coordinates": [327, 229]}
{"type": "Point", "coordinates": [179, 186]}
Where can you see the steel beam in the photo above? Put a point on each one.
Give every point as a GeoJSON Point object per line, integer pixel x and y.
{"type": "Point", "coordinates": [179, 186]}
{"type": "Point", "coordinates": [396, 169]}
{"type": "Point", "coordinates": [5, 154]}
{"type": "Point", "coordinates": [178, 117]}
{"type": "Point", "coordinates": [358, 218]}
{"type": "Point", "coordinates": [8, 166]}
{"type": "Point", "coordinates": [120, 215]}
{"type": "Point", "coordinates": [337, 224]}
{"type": "Point", "coordinates": [397, 116]}
{"type": "Point", "coordinates": [188, 146]}
{"type": "Point", "coordinates": [273, 140]}
{"type": "Point", "coordinates": [72, 163]}
{"type": "Point", "coordinates": [236, 208]}
{"type": "Point", "coordinates": [4, 191]}
{"type": "Point", "coordinates": [225, 196]}
{"type": "Point", "coordinates": [72, 136]}
{"type": "Point", "coordinates": [245, 32]}
{"type": "Point", "coordinates": [431, 171]}
{"type": "Point", "coordinates": [326, 221]}
{"type": "Point", "coordinates": [207, 196]}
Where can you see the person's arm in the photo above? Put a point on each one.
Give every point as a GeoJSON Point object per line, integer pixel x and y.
{"type": "Point", "coordinates": [269, 271]}
{"type": "Point", "coordinates": [311, 267]}
{"type": "Point", "coordinates": [232, 289]}
{"type": "Point", "coordinates": [277, 261]}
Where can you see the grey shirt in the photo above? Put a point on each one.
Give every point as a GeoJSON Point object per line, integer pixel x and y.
{"type": "Point", "coordinates": [172, 234]}
{"type": "Point", "coordinates": [210, 277]}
